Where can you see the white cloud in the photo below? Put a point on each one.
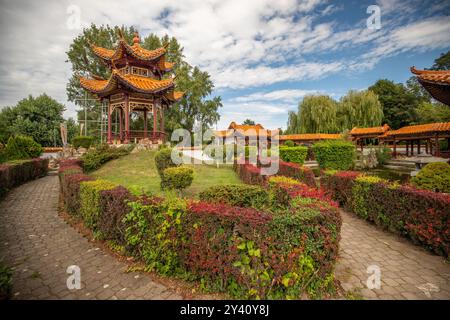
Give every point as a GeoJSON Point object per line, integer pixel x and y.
{"type": "Point", "coordinates": [288, 95]}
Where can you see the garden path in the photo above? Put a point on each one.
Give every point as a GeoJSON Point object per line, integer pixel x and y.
{"type": "Point", "coordinates": [407, 271]}
{"type": "Point", "coordinates": [40, 246]}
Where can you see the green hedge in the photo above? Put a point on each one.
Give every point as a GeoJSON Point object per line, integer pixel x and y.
{"type": "Point", "coordinates": [22, 147]}
{"type": "Point", "coordinates": [163, 160]}
{"type": "Point", "coordinates": [334, 154]}
{"type": "Point", "coordinates": [293, 154]}
{"type": "Point", "coordinates": [177, 178]}
{"type": "Point", "coordinates": [82, 141]}
{"type": "Point", "coordinates": [95, 158]}
{"type": "Point", "coordinates": [434, 177]}
{"type": "Point", "coordinates": [237, 195]}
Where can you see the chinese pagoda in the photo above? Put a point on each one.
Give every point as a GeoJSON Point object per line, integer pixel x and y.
{"type": "Point", "coordinates": [136, 84]}
{"type": "Point", "coordinates": [436, 82]}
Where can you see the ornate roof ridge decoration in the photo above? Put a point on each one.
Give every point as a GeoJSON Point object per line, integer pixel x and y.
{"type": "Point", "coordinates": [421, 129]}
{"type": "Point", "coordinates": [436, 82]}
{"type": "Point", "coordinates": [371, 130]}
{"type": "Point", "coordinates": [137, 83]}
{"type": "Point", "coordinates": [134, 50]}
{"type": "Point", "coordinates": [310, 136]}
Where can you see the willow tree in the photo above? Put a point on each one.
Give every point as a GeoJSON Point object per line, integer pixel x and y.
{"type": "Point", "coordinates": [359, 109]}
{"type": "Point", "coordinates": [317, 114]}
{"type": "Point", "coordinates": [292, 126]}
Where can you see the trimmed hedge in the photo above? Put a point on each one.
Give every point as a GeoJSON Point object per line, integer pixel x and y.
{"type": "Point", "coordinates": [334, 154]}
{"type": "Point", "coordinates": [293, 154]}
{"type": "Point", "coordinates": [421, 215]}
{"type": "Point", "coordinates": [296, 171]}
{"type": "Point", "coordinates": [434, 177]}
{"type": "Point", "coordinates": [95, 158]}
{"type": "Point", "coordinates": [17, 172]}
{"type": "Point", "coordinates": [177, 178]}
{"type": "Point", "coordinates": [237, 195]}
{"type": "Point", "coordinates": [22, 147]}
{"type": "Point", "coordinates": [82, 141]}
{"type": "Point", "coordinates": [250, 174]}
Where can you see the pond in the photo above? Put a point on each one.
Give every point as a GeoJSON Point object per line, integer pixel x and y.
{"type": "Point", "coordinates": [391, 175]}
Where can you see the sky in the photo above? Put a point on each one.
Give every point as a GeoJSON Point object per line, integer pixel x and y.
{"type": "Point", "coordinates": [263, 56]}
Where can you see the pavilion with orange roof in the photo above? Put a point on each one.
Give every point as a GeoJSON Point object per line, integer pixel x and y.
{"type": "Point", "coordinates": [361, 135]}
{"type": "Point", "coordinates": [436, 82]}
{"type": "Point", "coordinates": [308, 138]}
{"type": "Point", "coordinates": [236, 131]}
{"type": "Point", "coordinates": [139, 81]}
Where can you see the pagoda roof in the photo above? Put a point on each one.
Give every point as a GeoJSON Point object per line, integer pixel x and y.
{"type": "Point", "coordinates": [136, 83]}
{"type": "Point", "coordinates": [134, 50]}
{"type": "Point", "coordinates": [174, 95]}
{"type": "Point", "coordinates": [369, 131]}
{"type": "Point", "coordinates": [436, 82]}
{"type": "Point", "coordinates": [429, 128]}
{"type": "Point", "coordinates": [310, 136]}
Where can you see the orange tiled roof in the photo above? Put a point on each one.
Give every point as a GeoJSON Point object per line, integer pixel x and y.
{"type": "Point", "coordinates": [174, 95]}
{"type": "Point", "coordinates": [134, 50]}
{"type": "Point", "coordinates": [223, 133]}
{"type": "Point", "coordinates": [421, 128]}
{"type": "Point", "coordinates": [436, 76]}
{"type": "Point", "coordinates": [310, 136]}
{"type": "Point", "coordinates": [367, 131]}
{"type": "Point", "coordinates": [250, 129]}
{"type": "Point", "coordinates": [138, 83]}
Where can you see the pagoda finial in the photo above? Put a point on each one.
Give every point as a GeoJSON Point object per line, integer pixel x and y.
{"type": "Point", "coordinates": [136, 38]}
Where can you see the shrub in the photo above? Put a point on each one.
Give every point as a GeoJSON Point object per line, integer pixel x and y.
{"type": "Point", "coordinates": [114, 207]}
{"type": "Point", "coordinates": [250, 174]}
{"type": "Point", "coordinates": [383, 155]}
{"type": "Point", "coordinates": [293, 154]}
{"type": "Point", "coordinates": [82, 141]}
{"type": "Point", "coordinates": [421, 215]}
{"type": "Point", "coordinates": [289, 143]}
{"type": "Point", "coordinates": [16, 172]}
{"type": "Point", "coordinates": [434, 177]}
{"type": "Point", "coordinates": [22, 147]}
{"type": "Point", "coordinates": [163, 160]}
{"type": "Point", "coordinates": [177, 178]}
{"type": "Point", "coordinates": [294, 170]}
{"type": "Point", "coordinates": [70, 185]}
{"type": "Point", "coordinates": [237, 195]}
{"type": "Point", "coordinates": [90, 201]}
{"type": "Point", "coordinates": [334, 154]}
{"type": "Point", "coordinates": [94, 158]}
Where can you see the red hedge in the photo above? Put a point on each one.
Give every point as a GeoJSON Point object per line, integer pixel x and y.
{"type": "Point", "coordinates": [296, 171]}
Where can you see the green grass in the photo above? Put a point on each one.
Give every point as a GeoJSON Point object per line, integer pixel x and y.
{"type": "Point", "coordinates": [137, 172]}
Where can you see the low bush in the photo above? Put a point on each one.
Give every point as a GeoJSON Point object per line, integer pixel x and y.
{"type": "Point", "coordinates": [177, 178]}
{"type": "Point", "coordinates": [293, 154]}
{"type": "Point", "coordinates": [289, 143]}
{"type": "Point", "coordinates": [421, 215]}
{"type": "Point", "coordinates": [90, 202]}
{"type": "Point", "coordinates": [22, 147]}
{"type": "Point", "coordinates": [296, 171]}
{"type": "Point", "coordinates": [163, 160]}
{"type": "Point", "coordinates": [82, 141]}
{"type": "Point", "coordinates": [250, 174]}
{"type": "Point", "coordinates": [383, 154]}
{"type": "Point", "coordinates": [16, 172]}
{"type": "Point", "coordinates": [434, 177]}
{"type": "Point", "coordinates": [334, 154]}
{"type": "Point", "coordinates": [95, 158]}
{"type": "Point", "coordinates": [70, 185]}
{"type": "Point", "coordinates": [237, 195]}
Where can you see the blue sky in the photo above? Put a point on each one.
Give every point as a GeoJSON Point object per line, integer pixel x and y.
{"type": "Point", "coordinates": [263, 55]}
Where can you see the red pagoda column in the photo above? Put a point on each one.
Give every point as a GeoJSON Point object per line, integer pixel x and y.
{"type": "Point", "coordinates": [162, 120]}
{"type": "Point", "coordinates": [155, 120]}
{"type": "Point", "coordinates": [120, 125]}
{"type": "Point", "coordinates": [127, 120]}
{"type": "Point", "coordinates": [145, 123]}
{"type": "Point", "coordinates": [109, 123]}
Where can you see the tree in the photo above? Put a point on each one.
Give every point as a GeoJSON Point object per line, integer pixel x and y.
{"type": "Point", "coordinates": [442, 63]}
{"type": "Point", "coordinates": [249, 122]}
{"type": "Point", "coordinates": [38, 118]}
{"type": "Point", "coordinates": [292, 125]}
{"type": "Point", "coordinates": [317, 114]}
{"type": "Point", "coordinates": [196, 84]}
{"type": "Point", "coordinates": [359, 109]}
{"type": "Point", "coordinates": [428, 112]}
{"type": "Point", "coordinates": [399, 105]}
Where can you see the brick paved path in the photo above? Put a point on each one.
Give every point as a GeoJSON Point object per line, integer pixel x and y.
{"type": "Point", "coordinates": [407, 271]}
{"type": "Point", "coordinates": [40, 246]}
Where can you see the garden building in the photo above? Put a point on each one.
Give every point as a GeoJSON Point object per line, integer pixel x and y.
{"type": "Point", "coordinates": [363, 136]}
{"type": "Point", "coordinates": [247, 132]}
{"type": "Point", "coordinates": [140, 83]}
{"type": "Point", "coordinates": [308, 138]}
{"type": "Point", "coordinates": [436, 82]}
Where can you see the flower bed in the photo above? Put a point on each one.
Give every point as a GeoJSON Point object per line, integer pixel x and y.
{"type": "Point", "coordinates": [17, 172]}
{"type": "Point", "coordinates": [421, 215]}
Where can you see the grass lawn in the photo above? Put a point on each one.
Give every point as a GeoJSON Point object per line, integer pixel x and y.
{"type": "Point", "coordinates": [137, 172]}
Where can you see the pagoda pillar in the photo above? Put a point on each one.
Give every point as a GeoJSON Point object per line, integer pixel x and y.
{"type": "Point", "coordinates": [161, 125]}
{"type": "Point", "coordinates": [438, 149]}
{"type": "Point", "coordinates": [120, 125]}
{"type": "Point", "coordinates": [127, 120]}
{"type": "Point", "coordinates": [155, 119]}
{"type": "Point", "coordinates": [407, 148]}
{"type": "Point", "coordinates": [145, 123]}
{"type": "Point", "coordinates": [109, 123]}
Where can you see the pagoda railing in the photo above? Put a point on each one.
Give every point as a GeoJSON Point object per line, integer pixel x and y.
{"type": "Point", "coordinates": [140, 134]}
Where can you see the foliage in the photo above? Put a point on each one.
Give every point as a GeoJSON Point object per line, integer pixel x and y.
{"type": "Point", "coordinates": [334, 154]}
{"type": "Point", "coordinates": [237, 195]}
{"type": "Point", "coordinates": [95, 158]}
{"type": "Point", "coordinates": [296, 171]}
{"type": "Point", "coordinates": [5, 282]}
{"type": "Point", "coordinates": [293, 154]}
{"type": "Point", "coordinates": [432, 112]}
{"type": "Point", "coordinates": [434, 177]}
{"type": "Point", "coordinates": [195, 106]}
{"type": "Point", "coordinates": [442, 63]}
{"type": "Point", "coordinates": [163, 160]}
{"type": "Point", "coordinates": [22, 147]}
{"type": "Point", "coordinates": [317, 114]}
{"type": "Point", "coordinates": [38, 118]}
{"type": "Point", "coordinates": [250, 174]}
{"type": "Point", "coordinates": [359, 109]}
{"type": "Point", "coordinates": [293, 123]}
{"type": "Point", "coordinates": [418, 214]}
{"type": "Point", "coordinates": [383, 154]}
{"type": "Point", "coordinates": [90, 192]}
{"type": "Point", "coordinates": [399, 105]}
{"type": "Point", "coordinates": [177, 178]}
{"type": "Point", "coordinates": [289, 143]}
{"type": "Point", "coordinates": [82, 141]}
{"type": "Point", "coordinates": [14, 173]}
{"type": "Point", "coordinates": [249, 122]}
